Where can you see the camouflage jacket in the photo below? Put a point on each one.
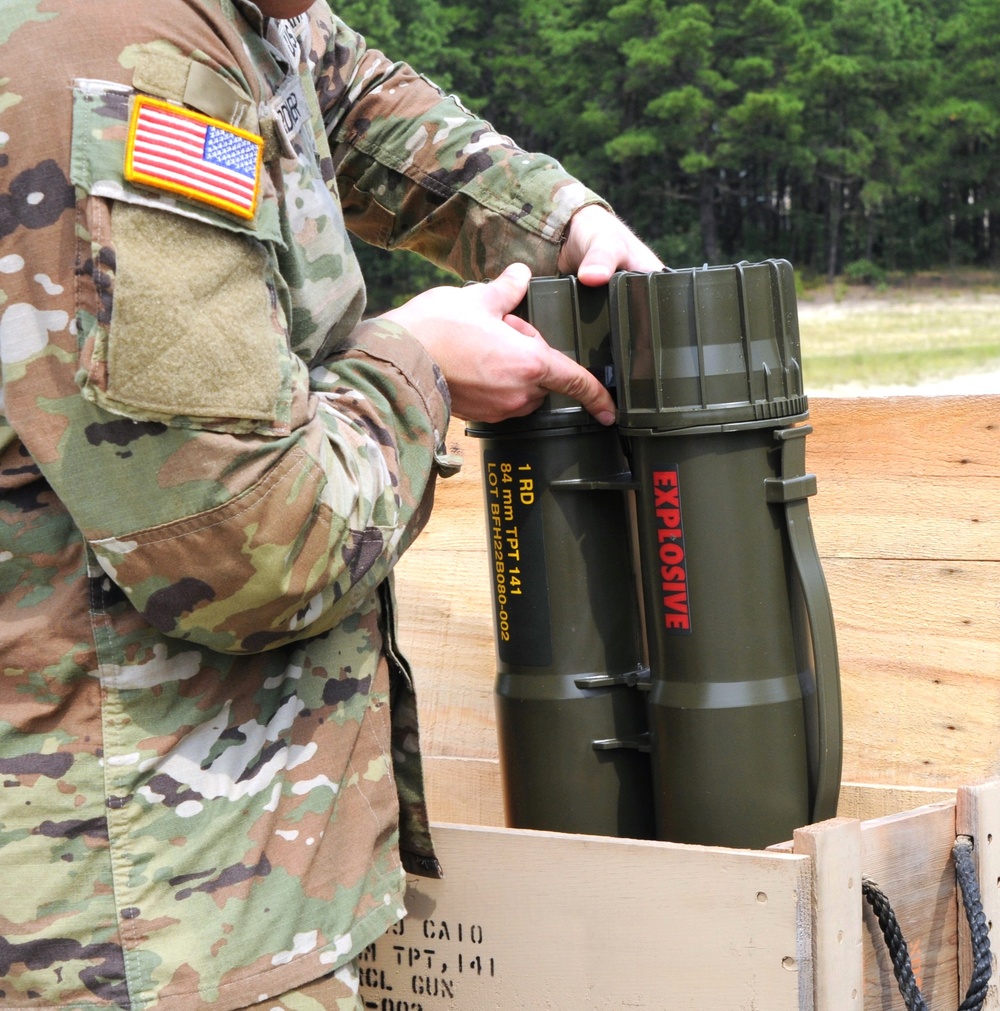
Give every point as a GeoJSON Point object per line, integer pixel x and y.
{"type": "Point", "coordinates": [208, 466]}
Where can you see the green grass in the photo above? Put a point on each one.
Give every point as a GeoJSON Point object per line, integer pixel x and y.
{"type": "Point", "coordinates": [898, 337]}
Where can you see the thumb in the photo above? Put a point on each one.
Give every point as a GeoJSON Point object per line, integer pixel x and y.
{"type": "Point", "coordinates": [506, 292]}
{"type": "Point", "coordinates": [598, 264]}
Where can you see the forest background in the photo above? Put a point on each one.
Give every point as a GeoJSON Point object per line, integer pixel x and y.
{"type": "Point", "coordinates": [858, 139]}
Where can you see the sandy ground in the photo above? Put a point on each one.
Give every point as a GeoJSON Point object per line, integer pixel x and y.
{"type": "Point", "coordinates": [957, 386]}
{"type": "Point", "coordinates": [962, 304]}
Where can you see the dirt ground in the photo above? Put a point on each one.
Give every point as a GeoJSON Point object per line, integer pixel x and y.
{"type": "Point", "coordinates": [976, 304]}
{"type": "Point", "coordinates": [957, 386]}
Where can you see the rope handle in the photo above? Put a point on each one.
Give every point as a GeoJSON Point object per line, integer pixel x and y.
{"type": "Point", "coordinates": [965, 873]}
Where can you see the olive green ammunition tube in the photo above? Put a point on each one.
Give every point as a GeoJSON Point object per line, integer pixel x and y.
{"type": "Point", "coordinates": [570, 720]}
{"type": "Point", "coordinates": [744, 708]}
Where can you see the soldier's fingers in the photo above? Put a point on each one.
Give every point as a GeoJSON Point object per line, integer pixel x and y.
{"type": "Point", "coordinates": [522, 326]}
{"type": "Point", "coordinates": [504, 293]}
{"type": "Point", "coordinates": [566, 376]}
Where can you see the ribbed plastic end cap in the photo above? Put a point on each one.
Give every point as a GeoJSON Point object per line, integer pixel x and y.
{"type": "Point", "coordinates": [706, 346]}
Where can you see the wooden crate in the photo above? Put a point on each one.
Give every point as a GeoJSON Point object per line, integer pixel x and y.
{"type": "Point", "coordinates": [907, 521]}
{"type": "Point", "coordinates": [546, 920]}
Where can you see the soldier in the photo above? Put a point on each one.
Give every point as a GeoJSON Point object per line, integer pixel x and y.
{"type": "Point", "coordinates": [209, 463]}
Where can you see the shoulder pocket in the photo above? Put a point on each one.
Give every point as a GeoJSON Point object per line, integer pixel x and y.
{"type": "Point", "coordinates": [179, 301]}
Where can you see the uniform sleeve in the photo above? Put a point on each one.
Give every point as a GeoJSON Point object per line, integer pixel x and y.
{"type": "Point", "coordinates": [272, 539]}
{"type": "Point", "coordinates": [417, 170]}
{"type": "Point", "coordinates": [241, 495]}
{"type": "Point", "coordinates": [240, 498]}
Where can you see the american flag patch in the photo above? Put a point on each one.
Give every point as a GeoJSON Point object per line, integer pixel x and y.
{"type": "Point", "coordinates": [175, 149]}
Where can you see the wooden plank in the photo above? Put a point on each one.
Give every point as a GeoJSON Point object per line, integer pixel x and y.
{"type": "Point", "coordinates": [908, 856]}
{"type": "Point", "coordinates": [445, 619]}
{"type": "Point", "coordinates": [904, 477]}
{"type": "Point", "coordinates": [464, 790]}
{"type": "Point", "coordinates": [854, 440]}
{"type": "Point", "coordinates": [537, 919]}
{"type": "Point", "coordinates": [947, 445]}
{"type": "Point", "coordinates": [866, 801]}
{"type": "Point", "coordinates": [910, 671]}
{"type": "Point", "coordinates": [447, 635]}
{"type": "Point", "coordinates": [907, 677]}
{"type": "Point", "coordinates": [468, 791]}
{"type": "Point", "coordinates": [835, 850]}
{"type": "Point", "coordinates": [887, 516]}
{"type": "Point", "coordinates": [977, 815]}
{"type": "Point", "coordinates": [918, 614]}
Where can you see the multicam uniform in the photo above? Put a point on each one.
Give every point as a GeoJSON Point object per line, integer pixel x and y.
{"type": "Point", "coordinates": [208, 465]}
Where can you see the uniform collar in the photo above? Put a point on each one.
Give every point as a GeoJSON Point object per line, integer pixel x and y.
{"type": "Point", "coordinates": [252, 13]}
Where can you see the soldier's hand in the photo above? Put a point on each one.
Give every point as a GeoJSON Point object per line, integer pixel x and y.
{"type": "Point", "coordinates": [597, 244]}
{"type": "Point", "coordinates": [497, 365]}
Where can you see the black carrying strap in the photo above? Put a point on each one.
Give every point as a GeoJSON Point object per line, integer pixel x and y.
{"type": "Point", "coordinates": [965, 873]}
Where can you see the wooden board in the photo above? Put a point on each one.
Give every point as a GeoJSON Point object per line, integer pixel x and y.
{"type": "Point", "coordinates": [544, 920]}
{"type": "Point", "coordinates": [952, 518]}
{"type": "Point", "coordinates": [908, 856]}
{"type": "Point", "coordinates": [868, 801]}
{"type": "Point", "coordinates": [468, 791]}
{"type": "Point", "coordinates": [977, 816]}
{"type": "Point", "coordinates": [541, 919]}
{"type": "Point", "coordinates": [911, 669]}
{"type": "Point", "coordinates": [978, 819]}
{"type": "Point", "coordinates": [464, 790]}
{"type": "Point", "coordinates": [834, 848]}
{"type": "Point", "coordinates": [909, 437]}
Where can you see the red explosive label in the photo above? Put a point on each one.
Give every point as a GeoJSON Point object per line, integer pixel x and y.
{"type": "Point", "coordinates": [672, 556]}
